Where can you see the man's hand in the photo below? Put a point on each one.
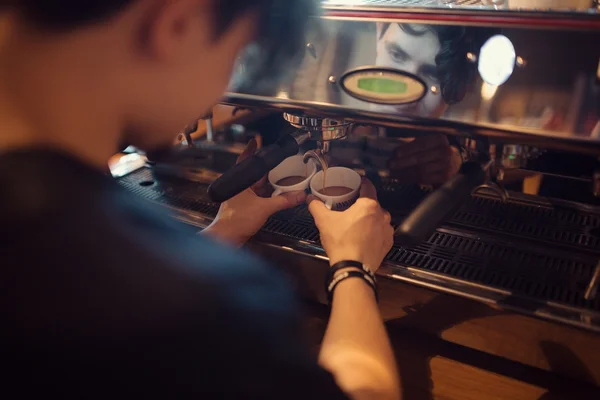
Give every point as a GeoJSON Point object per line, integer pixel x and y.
{"type": "Point", "coordinates": [240, 217]}
{"type": "Point", "coordinates": [362, 233]}
{"type": "Point", "coordinates": [428, 160]}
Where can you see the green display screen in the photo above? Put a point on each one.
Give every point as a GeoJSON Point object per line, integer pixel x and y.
{"type": "Point", "coordinates": [382, 85]}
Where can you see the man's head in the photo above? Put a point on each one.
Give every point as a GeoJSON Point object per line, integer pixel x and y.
{"type": "Point", "coordinates": [437, 54]}
{"type": "Point", "coordinates": [153, 65]}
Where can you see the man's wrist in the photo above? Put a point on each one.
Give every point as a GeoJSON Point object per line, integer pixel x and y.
{"type": "Point", "coordinates": [333, 260]}
{"type": "Point", "coordinates": [354, 287]}
{"type": "Point", "coordinates": [348, 269]}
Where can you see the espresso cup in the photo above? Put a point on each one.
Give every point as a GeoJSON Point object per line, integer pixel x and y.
{"type": "Point", "coordinates": [337, 177]}
{"type": "Point", "coordinates": [290, 167]}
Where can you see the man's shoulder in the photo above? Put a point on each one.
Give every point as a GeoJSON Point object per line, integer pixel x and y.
{"type": "Point", "coordinates": [38, 183]}
{"type": "Point", "coordinates": [108, 282]}
{"type": "Point", "coordinates": [88, 230]}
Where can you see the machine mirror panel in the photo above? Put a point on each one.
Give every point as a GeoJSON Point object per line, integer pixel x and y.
{"type": "Point", "coordinates": [538, 6]}
{"type": "Point", "coordinates": [529, 86]}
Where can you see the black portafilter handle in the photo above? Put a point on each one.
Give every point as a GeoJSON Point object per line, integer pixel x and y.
{"type": "Point", "coordinates": [435, 208]}
{"type": "Point", "coordinates": [252, 169]}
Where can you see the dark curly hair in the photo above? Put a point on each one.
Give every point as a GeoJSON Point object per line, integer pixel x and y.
{"type": "Point", "coordinates": [278, 44]}
{"type": "Point", "coordinates": [454, 71]}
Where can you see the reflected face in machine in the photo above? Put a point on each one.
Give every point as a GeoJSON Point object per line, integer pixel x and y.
{"type": "Point", "coordinates": [411, 48]}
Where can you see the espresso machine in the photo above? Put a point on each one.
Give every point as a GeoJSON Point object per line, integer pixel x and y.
{"type": "Point", "coordinates": [503, 256]}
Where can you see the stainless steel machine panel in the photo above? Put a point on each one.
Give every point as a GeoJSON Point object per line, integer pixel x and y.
{"type": "Point", "coordinates": [529, 79]}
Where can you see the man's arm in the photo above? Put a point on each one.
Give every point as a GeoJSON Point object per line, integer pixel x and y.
{"type": "Point", "coordinates": [255, 345]}
{"type": "Point", "coordinates": [356, 348]}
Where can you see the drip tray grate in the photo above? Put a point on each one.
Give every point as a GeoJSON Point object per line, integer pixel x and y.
{"type": "Point", "coordinates": [559, 226]}
{"type": "Point", "coordinates": [539, 271]}
{"type": "Point", "coordinates": [548, 277]}
{"type": "Point", "coordinates": [174, 193]}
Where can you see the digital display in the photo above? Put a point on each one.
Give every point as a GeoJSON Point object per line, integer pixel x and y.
{"type": "Point", "coordinates": [382, 85]}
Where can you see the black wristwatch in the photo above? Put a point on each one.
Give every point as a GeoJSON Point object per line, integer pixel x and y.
{"type": "Point", "coordinates": [356, 269]}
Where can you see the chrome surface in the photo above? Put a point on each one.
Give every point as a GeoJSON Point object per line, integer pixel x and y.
{"type": "Point", "coordinates": [521, 62]}
{"type": "Point", "coordinates": [316, 155]}
{"type": "Point", "coordinates": [301, 136]}
{"type": "Point", "coordinates": [592, 289]}
{"type": "Point", "coordinates": [321, 129]}
{"type": "Point", "coordinates": [514, 156]}
{"type": "Point", "coordinates": [596, 183]}
{"type": "Point", "coordinates": [126, 164]}
{"type": "Point", "coordinates": [529, 255]}
{"type": "Point", "coordinates": [501, 172]}
{"type": "Point", "coordinates": [553, 101]}
{"type": "Point", "coordinates": [311, 50]}
{"type": "Point", "coordinates": [186, 136]}
{"type": "Point", "coordinates": [495, 189]}
{"type": "Point", "coordinates": [192, 174]}
{"type": "Point", "coordinates": [401, 3]}
{"type": "Point", "coordinates": [209, 128]}
{"type": "Point", "coordinates": [495, 5]}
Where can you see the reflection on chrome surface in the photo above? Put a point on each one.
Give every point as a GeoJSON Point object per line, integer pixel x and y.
{"type": "Point", "coordinates": [551, 87]}
{"type": "Point", "coordinates": [533, 5]}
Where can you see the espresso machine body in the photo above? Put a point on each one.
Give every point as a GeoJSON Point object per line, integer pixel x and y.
{"type": "Point", "coordinates": [521, 78]}
{"type": "Point", "coordinates": [512, 266]}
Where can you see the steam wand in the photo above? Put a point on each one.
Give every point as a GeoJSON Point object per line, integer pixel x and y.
{"type": "Point", "coordinates": [440, 204]}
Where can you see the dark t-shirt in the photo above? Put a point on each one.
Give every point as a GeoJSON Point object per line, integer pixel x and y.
{"type": "Point", "coordinates": [104, 296]}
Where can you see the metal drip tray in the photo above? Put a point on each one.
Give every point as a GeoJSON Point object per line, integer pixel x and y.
{"type": "Point", "coordinates": [518, 248]}
{"type": "Point", "coordinates": [534, 273]}
{"type": "Point", "coordinates": [554, 224]}
{"type": "Point", "coordinates": [175, 193]}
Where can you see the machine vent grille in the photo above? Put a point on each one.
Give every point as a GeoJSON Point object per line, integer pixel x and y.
{"type": "Point", "coordinates": [501, 261]}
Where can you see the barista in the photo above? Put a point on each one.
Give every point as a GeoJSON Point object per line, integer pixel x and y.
{"type": "Point", "coordinates": [101, 294]}
{"type": "Point", "coordinates": [435, 53]}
